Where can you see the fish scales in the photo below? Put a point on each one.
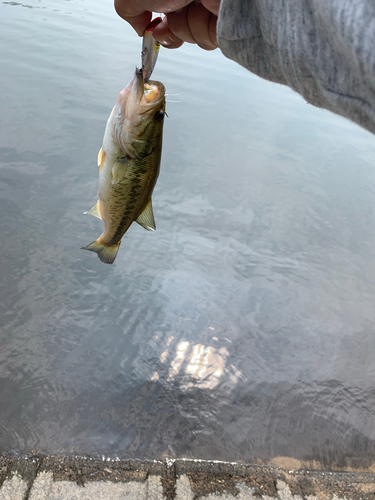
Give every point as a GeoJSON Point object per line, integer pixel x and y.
{"type": "Point", "coordinates": [132, 195]}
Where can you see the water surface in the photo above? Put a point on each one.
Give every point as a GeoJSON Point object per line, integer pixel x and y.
{"type": "Point", "coordinates": [243, 328]}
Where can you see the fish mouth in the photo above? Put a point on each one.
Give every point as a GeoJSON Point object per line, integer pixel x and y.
{"type": "Point", "coordinates": [152, 93]}
{"type": "Point", "coordinates": [134, 109]}
{"type": "Point", "coordinates": [148, 94]}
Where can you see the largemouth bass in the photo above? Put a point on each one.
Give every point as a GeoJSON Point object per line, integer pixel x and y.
{"type": "Point", "coordinates": [129, 163]}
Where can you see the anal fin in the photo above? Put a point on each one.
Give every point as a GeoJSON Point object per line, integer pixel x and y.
{"type": "Point", "coordinates": [146, 219]}
{"type": "Point", "coordinates": [95, 211]}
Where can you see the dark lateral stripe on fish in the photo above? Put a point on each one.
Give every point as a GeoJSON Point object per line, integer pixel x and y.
{"type": "Point", "coordinates": [127, 216]}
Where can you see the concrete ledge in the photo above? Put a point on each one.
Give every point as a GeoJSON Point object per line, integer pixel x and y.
{"type": "Point", "coordinates": [51, 478]}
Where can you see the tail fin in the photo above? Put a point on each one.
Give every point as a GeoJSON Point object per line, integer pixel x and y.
{"type": "Point", "coordinates": [106, 254]}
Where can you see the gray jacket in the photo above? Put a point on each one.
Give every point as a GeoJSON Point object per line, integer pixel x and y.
{"type": "Point", "coordinates": [323, 49]}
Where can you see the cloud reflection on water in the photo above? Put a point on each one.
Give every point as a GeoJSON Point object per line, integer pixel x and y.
{"type": "Point", "coordinates": [199, 365]}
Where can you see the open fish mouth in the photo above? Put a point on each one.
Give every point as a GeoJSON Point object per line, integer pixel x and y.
{"type": "Point", "coordinates": [151, 93]}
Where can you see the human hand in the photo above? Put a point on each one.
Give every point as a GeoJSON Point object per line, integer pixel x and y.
{"type": "Point", "coordinates": [185, 21]}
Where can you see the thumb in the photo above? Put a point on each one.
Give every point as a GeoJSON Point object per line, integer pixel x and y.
{"type": "Point", "coordinates": [135, 15]}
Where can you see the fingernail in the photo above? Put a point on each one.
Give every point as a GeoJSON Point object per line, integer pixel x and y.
{"type": "Point", "coordinates": [167, 41]}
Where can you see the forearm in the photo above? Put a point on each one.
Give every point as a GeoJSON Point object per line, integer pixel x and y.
{"type": "Point", "coordinates": [323, 49]}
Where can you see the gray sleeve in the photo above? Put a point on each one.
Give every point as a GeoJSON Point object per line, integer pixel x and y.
{"type": "Point", "coordinates": [323, 49]}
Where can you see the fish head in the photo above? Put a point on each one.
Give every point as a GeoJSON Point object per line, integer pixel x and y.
{"type": "Point", "coordinates": [138, 117]}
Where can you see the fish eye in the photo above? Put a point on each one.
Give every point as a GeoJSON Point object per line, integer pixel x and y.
{"type": "Point", "coordinates": [159, 116]}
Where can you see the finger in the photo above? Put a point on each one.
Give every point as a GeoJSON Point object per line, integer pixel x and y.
{"type": "Point", "coordinates": [135, 7]}
{"type": "Point", "coordinates": [164, 35]}
{"type": "Point", "coordinates": [140, 23]}
{"type": "Point", "coordinates": [212, 30]}
{"type": "Point", "coordinates": [199, 23]}
{"type": "Point", "coordinates": [179, 26]}
{"type": "Point", "coordinates": [137, 17]}
{"type": "Point", "coordinates": [212, 5]}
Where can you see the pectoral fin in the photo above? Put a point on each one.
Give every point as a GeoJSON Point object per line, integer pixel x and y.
{"type": "Point", "coordinates": [101, 159]}
{"type": "Point", "coordinates": [95, 211]}
{"type": "Point", "coordinates": [146, 219]}
{"type": "Point", "coordinates": [119, 169]}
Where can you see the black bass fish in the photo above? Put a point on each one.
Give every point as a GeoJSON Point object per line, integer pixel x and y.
{"type": "Point", "coordinates": [129, 163]}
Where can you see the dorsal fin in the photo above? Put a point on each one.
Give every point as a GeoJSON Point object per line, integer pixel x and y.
{"type": "Point", "coordinates": [95, 211]}
{"type": "Point", "coordinates": [146, 219]}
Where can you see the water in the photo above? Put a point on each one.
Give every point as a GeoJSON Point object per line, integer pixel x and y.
{"type": "Point", "coordinates": [242, 329]}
